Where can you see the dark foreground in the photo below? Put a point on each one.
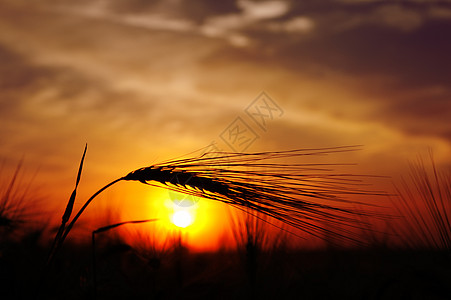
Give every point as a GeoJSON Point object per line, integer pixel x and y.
{"type": "Point", "coordinates": [124, 272]}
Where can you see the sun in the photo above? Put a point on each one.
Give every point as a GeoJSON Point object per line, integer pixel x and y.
{"type": "Point", "coordinates": [182, 218]}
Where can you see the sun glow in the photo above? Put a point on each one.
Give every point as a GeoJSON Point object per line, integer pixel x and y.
{"type": "Point", "coordinates": [209, 226]}
{"type": "Point", "coordinates": [182, 218]}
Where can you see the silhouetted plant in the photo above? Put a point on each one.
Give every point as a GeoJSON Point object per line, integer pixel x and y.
{"type": "Point", "coordinates": [16, 203]}
{"type": "Point", "coordinates": [305, 196]}
{"type": "Point", "coordinates": [424, 203]}
{"type": "Point", "coordinates": [256, 236]}
{"type": "Point", "coordinates": [68, 211]}
{"type": "Point", "coordinates": [104, 229]}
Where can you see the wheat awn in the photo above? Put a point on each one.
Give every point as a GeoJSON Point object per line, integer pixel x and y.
{"type": "Point", "coordinates": [305, 196]}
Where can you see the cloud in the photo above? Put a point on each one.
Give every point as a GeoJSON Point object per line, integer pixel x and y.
{"type": "Point", "coordinates": [392, 88]}
{"type": "Point", "coordinates": [260, 10]}
{"type": "Point", "coordinates": [17, 74]}
{"type": "Point", "coordinates": [397, 17]}
{"type": "Point", "coordinates": [440, 12]}
{"type": "Point", "coordinates": [343, 15]}
{"type": "Point", "coordinates": [295, 25]}
{"type": "Point", "coordinates": [232, 26]}
{"type": "Point", "coordinates": [392, 16]}
{"type": "Point", "coordinates": [420, 112]}
{"type": "Point", "coordinates": [406, 57]}
{"type": "Point", "coordinates": [67, 89]}
{"type": "Point", "coordinates": [299, 24]}
{"type": "Point", "coordinates": [200, 10]}
{"type": "Point", "coordinates": [146, 79]}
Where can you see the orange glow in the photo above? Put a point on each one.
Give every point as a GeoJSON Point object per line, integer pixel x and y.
{"type": "Point", "coordinates": [209, 230]}
{"type": "Point", "coordinates": [201, 231]}
{"type": "Point", "coordinates": [182, 218]}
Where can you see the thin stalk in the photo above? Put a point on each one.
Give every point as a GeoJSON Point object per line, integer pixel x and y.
{"type": "Point", "coordinates": [94, 267]}
{"type": "Point", "coordinates": [71, 224]}
{"type": "Point", "coordinates": [69, 207]}
{"type": "Point", "coordinates": [100, 230]}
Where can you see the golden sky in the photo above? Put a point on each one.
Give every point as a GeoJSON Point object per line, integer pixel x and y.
{"type": "Point", "coordinates": [146, 81]}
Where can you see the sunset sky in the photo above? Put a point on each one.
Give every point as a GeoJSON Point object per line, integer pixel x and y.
{"type": "Point", "coordinates": [146, 81]}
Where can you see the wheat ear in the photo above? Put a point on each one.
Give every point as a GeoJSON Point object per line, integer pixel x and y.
{"type": "Point", "coordinates": [302, 195]}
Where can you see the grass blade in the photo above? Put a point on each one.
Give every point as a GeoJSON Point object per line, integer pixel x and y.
{"type": "Point", "coordinates": [68, 210]}
{"type": "Point", "coordinates": [103, 229]}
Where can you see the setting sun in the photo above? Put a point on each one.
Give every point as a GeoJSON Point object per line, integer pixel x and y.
{"type": "Point", "coordinates": [182, 218]}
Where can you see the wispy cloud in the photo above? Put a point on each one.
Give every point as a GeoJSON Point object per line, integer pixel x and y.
{"type": "Point", "coordinates": [261, 10]}
{"type": "Point", "coordinates": [139, 75]}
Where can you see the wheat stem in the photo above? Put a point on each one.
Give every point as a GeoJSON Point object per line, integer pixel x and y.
{"type": "Point", "coordinates": [71, 224]}
{"type": "Point", "coordinates": [297, 194]}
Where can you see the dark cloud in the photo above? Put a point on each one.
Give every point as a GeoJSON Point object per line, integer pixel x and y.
{"type": "Point", "coordinates": [413, 54]}
{"type": "Point", "coordinates": [419, 57]}
{"type": "Point", "coordinates": [408, 57]}
{"type": "Point", "coordinates": [357, 7]}
{"type": "Point", "coordinates": [133, 6]}
{"type": "Point", "coordinates": [414, 68]}
{"type": "Point", "coordinates": [13, 68]}
{"type": "Point", "coordinates": [199, 10]}
{"type": "Point", "coordinates": [420, 115]}
{"type": "Point", "coordinates": [19, 75]}
{"type": "Point", "coordinates": [195, 10]}
{"type": "Point", "coordinates": [41, 96]}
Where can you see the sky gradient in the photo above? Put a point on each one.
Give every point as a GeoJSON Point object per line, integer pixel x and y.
{"type": "Point", "coordinates": [146, 81]}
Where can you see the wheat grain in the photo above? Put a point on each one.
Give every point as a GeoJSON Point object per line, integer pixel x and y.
{"type": "Point", "coordinates": [305, 196]}
{"type": "Point", "coordinates": [298, 194]}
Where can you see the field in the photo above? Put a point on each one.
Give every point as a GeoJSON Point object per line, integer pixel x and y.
{"type": "Point", "coordinates": [411, 262]}
{"type": "Point", "coordinates": [123, 272]}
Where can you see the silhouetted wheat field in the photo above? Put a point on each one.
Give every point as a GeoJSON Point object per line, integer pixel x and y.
{"type": "Point", "coordinates": [124, 272]}
{"type": "Point", "coordinates": [410, 260]}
